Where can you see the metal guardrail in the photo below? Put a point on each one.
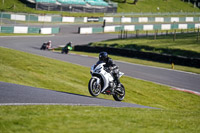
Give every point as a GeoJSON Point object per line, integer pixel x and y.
{"type": "Point", "coordinates": [153, 14]}
{"type": "Point", "coordinates": [13, 18]}
{"type": "Point", "coordinates": [139, 27]}
{"type": "Point", "coordinates": [28, 30]}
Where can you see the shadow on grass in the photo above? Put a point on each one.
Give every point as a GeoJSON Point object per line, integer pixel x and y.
{"type": "Point", "coordinates": [28, 4]}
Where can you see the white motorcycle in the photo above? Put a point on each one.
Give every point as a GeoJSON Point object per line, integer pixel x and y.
{"type": "Point", "coordinates": [103, 82]}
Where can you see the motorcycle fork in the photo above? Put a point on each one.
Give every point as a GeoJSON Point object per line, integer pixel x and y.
{"type": "Point", "coordinates": [98, 81]}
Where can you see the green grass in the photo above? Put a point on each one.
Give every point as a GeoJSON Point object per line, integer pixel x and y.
{"type": "Point", "coordinates": [143, 62]}
{"type": "Point", "coordinates": [184, 45]}
{"type": "Point", "coordinates": [179, 110]}
{"type": "Point", "coordinates": [26, 69]}
{"type": "Point", "coordinates": [151, 6]}
{"type": "Point", "coordinates": [78, 119]}
{"type": "Point", "coordinates": [32, 70]}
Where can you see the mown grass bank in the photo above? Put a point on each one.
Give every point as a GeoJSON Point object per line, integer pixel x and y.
{"type": "Point", "coordinates": [179, 111]}
{"type": "Point", "coordinates": [155, 6]}
{"type": "Point", "coordinates": [144, 62]}
{"type": "Point", "coordinates": [76, 119]}
{"type": "Point", "coordinates": [27, 69]}
{"type": "Point", "coordinates": [183, 45]}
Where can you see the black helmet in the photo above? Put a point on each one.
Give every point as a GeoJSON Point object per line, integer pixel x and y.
{"type": "Point", "coordinates": [103, 56]}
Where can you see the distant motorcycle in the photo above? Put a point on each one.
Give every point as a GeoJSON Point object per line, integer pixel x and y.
{"type": "Point", "coordinates": [103, 82]}
{"type": "Point", "coordinates": [44, 46]}
{"type": "Point", "coordinates": [66, 49]}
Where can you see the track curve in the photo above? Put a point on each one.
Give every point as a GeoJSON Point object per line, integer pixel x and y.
{"type": "Point", "coordinates": [13, 94]}
{"type": "Point", "coordinates": [177, 79]}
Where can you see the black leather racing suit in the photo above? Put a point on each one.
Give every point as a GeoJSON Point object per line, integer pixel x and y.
{"type": "Point", "coordinates": [113, 69]}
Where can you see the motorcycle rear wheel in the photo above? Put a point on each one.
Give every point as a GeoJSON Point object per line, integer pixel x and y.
{"type": "Point", "coordinates": [93, 88]}
{"type": "Point", "coordinates": [119, 96]}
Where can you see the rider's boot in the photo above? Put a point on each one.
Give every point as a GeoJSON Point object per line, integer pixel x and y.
{"type": "Point", "coordinates": [118, 88]}
{"type": "Point", "coordinates": [118, 85]}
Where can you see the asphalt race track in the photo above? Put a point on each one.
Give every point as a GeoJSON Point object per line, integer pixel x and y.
{"type": "Point", "coordinates": [175, 79]}
{"type": "Point", "coordinates": [12, 94]}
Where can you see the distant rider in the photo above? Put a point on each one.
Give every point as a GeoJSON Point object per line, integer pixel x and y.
{"type": "Point", "coordinates": [46, 45]}
{"type": "Point", "coordinates": [112, 68]}
{"type": "Point", "coordinates": [67, 47]}
{"type": "Point", "coordinates": [49, 44]}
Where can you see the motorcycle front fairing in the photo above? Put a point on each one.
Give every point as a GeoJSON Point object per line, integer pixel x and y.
{"type": "Point", "coordinates": [99, 70]}
{"type": "Point", "coordinates": [120, 74]}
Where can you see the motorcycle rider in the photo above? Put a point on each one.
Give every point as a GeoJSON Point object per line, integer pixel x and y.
{"type": "Point", "coordinates": [112, 68]}
{"type": "Point", "coordinates": [67, 47]}
{"type": "Point", "coordinates": [48, 44]}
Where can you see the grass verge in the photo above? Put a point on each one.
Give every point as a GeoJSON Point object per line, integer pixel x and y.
{"type": "Point", "coordinates": [144, 62]}
{"type": "Point", "coordinates": [76, 119]}
{"type": "Point", "coordinates": [184, 45]}
{"type": "Point", "coordinates": [155, 6]}
{"type": "Point", "coordinates": [179, 110]}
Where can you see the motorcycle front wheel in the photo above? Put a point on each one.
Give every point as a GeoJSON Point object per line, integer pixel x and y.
{"type": "Point", "coordinates": [119, 95]}
{"type": "Point", "coordinates": [94, 88]}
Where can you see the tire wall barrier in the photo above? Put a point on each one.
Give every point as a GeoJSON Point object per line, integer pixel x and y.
{"type": "Point", "coordinates": [177, 60]}
{"type": "Point", "coordinates": [26, 30]}
{"type": "Point", "coordinates": [58, 18]}
{"type": "Point", "coordinates": [144, 27]}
